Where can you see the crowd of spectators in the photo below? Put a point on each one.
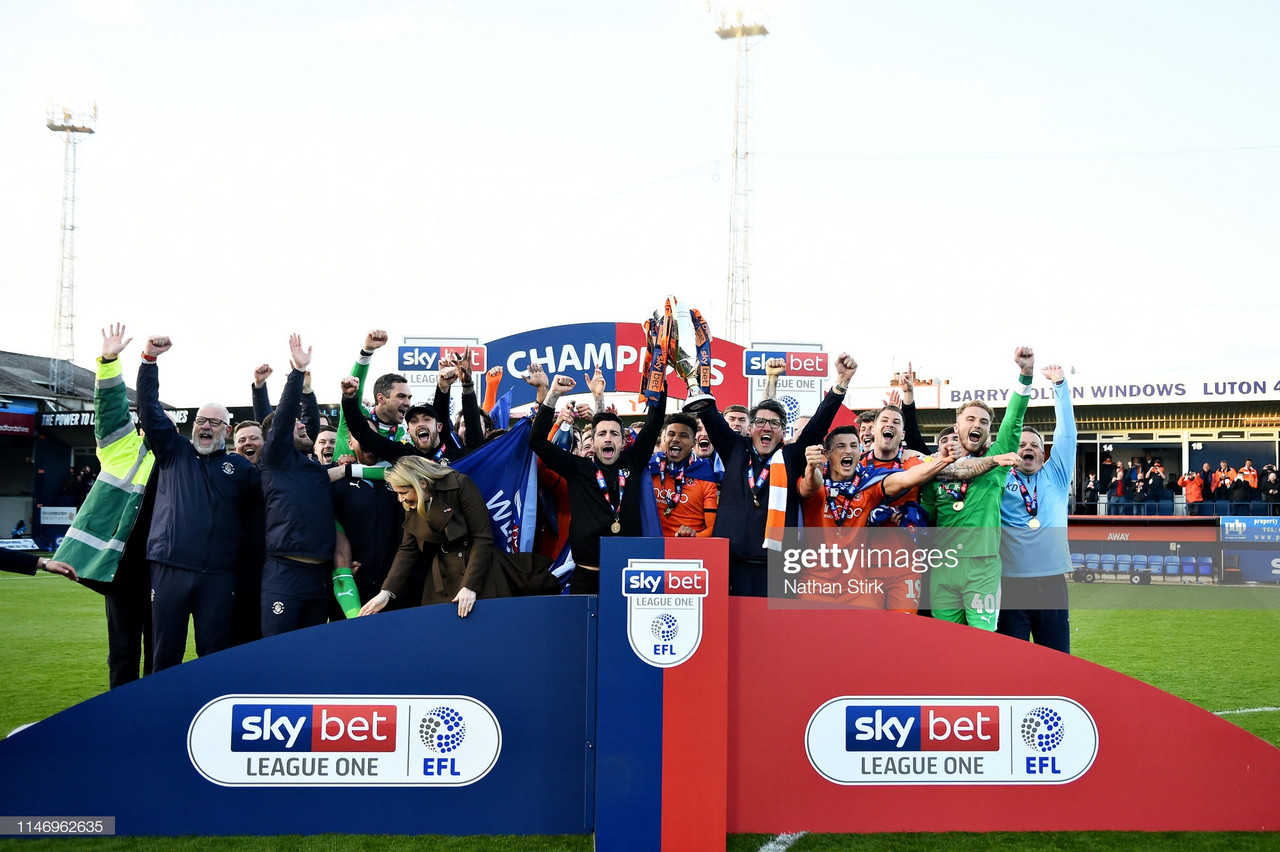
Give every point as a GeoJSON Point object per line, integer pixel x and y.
{"type": "Point", "coordinates": [1141, 486]}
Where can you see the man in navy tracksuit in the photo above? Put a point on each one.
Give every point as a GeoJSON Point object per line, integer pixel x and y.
{"type": "Point", "coordinates": [297, 575]}
{"type": "Point", "coordinates": [744, 497]}
{"type": "Point", "coordinates": [203, 498]}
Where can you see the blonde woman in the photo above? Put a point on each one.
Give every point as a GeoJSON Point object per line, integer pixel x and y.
{"type": "Point", "coordinates": [447, 520]}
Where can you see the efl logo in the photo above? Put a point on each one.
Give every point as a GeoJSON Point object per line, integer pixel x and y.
{"type": "Point", "coordinates": [664, 608]}
{"type": "Point", "coordinates": [640, 581]}
{"type": "Point", "coordinates": [922, 728]}
{"type": "Point", "coordinates": [428, 358]}
{"type": "Point", "coordinates": [313, 727]}
{"type": "Point", "coordinates": [798, 363]}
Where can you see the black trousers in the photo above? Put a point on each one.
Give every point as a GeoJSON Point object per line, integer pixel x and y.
{"type": "Point", "coordinates": [294, 595]}
{"type": "Point", "coordinates": [130, 641]}
{"type": "Point", "coordinates": [178, 595]}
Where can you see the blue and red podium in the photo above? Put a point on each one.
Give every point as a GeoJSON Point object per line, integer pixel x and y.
{"type": "Point", "coordinates": [661, 715]}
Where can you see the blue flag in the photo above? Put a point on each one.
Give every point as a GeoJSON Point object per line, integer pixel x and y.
{"type": "Point", "coordinates": [506, 473]}
{"type": "Point", "coordinates": [501, 411]}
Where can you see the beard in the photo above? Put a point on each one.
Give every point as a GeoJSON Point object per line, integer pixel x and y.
{"type": "Point", "coordinates": [214, 447]}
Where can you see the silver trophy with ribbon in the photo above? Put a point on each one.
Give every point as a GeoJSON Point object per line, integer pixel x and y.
{"type": "Point", "coordinates": [689, 354]}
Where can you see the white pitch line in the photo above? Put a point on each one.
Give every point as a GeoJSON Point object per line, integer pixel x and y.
{"type": "Point", "coordinates": [782, 842]}
{"type": "Point", "coordinates": [1247, 710]}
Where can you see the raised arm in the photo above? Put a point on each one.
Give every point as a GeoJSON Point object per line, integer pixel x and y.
{"type": "Point", "coordinates": [773, 368]}
{"type": "Point", "coordinates": [373, 443]}
{"type": "Point", "coordinates": [162, 435]}
{"type": "Point", "coordinates": [310, 408]}
{"type": "Point", "coordinates": [111, 419]}
{"type": "Point", "coordinates": [1064, 431]}
{"type": "Point", "coordinates": [595, 384]}
{"type": "Point", "coordinates": [912, 435]}
{"type": "Point", "coordinates": [1011, 426]}
{"type": "Point", "coordinates": [492, 378]}
{"type": "Point", "coordinates": [279, 443]}
{"type": "Point", "coordinates": [556, 458]}
{"type": "Point", "coordinates": [373, 341]}
{"type": "Point", "coordinates": [647, 438]}
{"type": "Point", "coordinates": [470, 404]}
{"type": "Point", "coordinates": [811, 483]}
{"type": "Point", "coordinates": [261, 402]}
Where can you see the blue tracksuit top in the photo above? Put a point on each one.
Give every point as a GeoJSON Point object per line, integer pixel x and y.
{"type": "Point", "coordinates": [1042, 552]}
{"type": "Point", "coordinates": [296, 487]}
{"type": "Point", "coordinates": [201, 501]}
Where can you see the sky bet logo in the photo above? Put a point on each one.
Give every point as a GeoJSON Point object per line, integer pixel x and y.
{"type": "Point", "coordinates": [313, 727]}
{"type": "Point", "coordinates": [428, 358]}
{"type": "Point", "coordinates": [649, 581]}
{"type": "Point", "coordinates": [799, 364]}
{"type": "Point", "coordinates": [922, 728]}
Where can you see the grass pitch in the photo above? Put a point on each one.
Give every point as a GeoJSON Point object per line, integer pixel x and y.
{"type": "Point", "coordinates": [1216, 647]}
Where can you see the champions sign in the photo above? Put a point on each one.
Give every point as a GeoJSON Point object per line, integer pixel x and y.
{"type": "Point", "coordinates": [344, 740]}
{"type": "Point", "coordinates": [664, 608]}
{"type": "Point", "coordinates": [1023, 740]}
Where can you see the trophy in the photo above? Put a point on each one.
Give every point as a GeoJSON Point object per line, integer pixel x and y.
{"type": "Point", "coordinates": [679, 338]}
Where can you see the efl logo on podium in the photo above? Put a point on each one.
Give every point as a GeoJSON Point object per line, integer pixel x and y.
{"type": "Point", "coordinates": [664, 608]}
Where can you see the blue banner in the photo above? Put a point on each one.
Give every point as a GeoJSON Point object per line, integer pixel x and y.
{"type": "Point", "coordinates": [506, 473]}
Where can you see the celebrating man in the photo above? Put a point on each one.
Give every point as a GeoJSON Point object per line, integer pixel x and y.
{"type": "Point", "coordinates": [969, 592]}
{"type": "Point", "coordinates": [1034, 555]}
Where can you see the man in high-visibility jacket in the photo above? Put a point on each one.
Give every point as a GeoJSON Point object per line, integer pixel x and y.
{"type": "Point", "coordinates": [107, 542]}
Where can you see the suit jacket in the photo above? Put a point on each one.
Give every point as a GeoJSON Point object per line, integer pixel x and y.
{"type": "Point", "coordinates": [457, 539]}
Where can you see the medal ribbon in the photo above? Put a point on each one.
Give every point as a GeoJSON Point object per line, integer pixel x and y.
{"type": "Point", "coordinates": [1031, 499]}
{"type": "Point", "coordinates": [756, 488]}
{"type": "Point", "coordinates": [677, 477]}
{"type": "Point", "coordinates": [952, 492]}
{"type": "Point", "coordinates": [839, 494]}
{"type": "Point", "coordinates": [604, 488]}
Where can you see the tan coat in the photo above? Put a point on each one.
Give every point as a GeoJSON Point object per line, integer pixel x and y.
{"type": "Point", "coordinates": [457, 539]}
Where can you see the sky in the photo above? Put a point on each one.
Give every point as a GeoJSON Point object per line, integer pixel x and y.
{"type": "Point", "coordinates": [937, 182]}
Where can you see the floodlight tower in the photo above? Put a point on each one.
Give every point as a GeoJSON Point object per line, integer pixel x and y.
{"type": "Point", "coordinates": [76, 123]}
{"type": "Point", "coordinates": [745, 35]}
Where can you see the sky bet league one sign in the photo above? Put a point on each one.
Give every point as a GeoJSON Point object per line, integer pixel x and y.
{"type": "Point", "coordinates": [876, 740]}
{"type": "Point", "coordinates": [664, 609]}
{"type": "Point", "coordinates": [317, 740]}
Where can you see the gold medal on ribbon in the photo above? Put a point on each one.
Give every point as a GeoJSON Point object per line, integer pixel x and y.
{"type": "Point", "coordinates": [958, 505]}
{"type": "Point", "coordinates": [615, 528]}
{"type": "Point", "coordinates": [1033, 524]}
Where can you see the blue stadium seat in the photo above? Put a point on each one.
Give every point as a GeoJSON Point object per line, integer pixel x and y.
{"type": "Point", "coordinates": [1123, 563]}
{"type": "Point", "coordinates": [1205, 567]}
{"type": "Point", "coordinates": [1077, 560]}
{"type": "Point", "coordinates": [1155, 564]}
{"type": "Point", "coordinates": [1222, 508]}
{"type": "Point", "coordinates": [1109, 564]}
{"type": "Point", "coordinates": [1188, 568]}
{"type": "Point", "coordinates": [1092, 566]}
{"type": "Point", "coordinates": [1166, 507]}
{"type": "Point", "coordinates": [1139, 562]}
{"type": "Point", "coordinates": [1171, 565]}
{"type": "Point", "coordinates": [1258, 507]}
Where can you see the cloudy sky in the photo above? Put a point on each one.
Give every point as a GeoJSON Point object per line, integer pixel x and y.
{"type": "Point", "coordinates": [934, 181]}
